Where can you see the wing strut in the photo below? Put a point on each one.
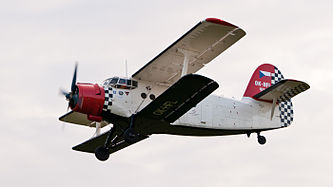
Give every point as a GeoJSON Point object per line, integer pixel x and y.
{"type": "Point", "coordinates": [273, 107]}
{"type": "Point", "coordinates": [187, 55]}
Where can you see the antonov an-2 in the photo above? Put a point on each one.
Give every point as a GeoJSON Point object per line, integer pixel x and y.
{"type": "Point", "coordinates": [165, 97]}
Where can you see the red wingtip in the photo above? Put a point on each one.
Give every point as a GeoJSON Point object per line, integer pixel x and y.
{"type": "Point", "coordinates": [219, 21]}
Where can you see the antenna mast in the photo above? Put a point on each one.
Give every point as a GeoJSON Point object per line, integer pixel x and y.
{"type": "Point", "coordinates": [126, 68]}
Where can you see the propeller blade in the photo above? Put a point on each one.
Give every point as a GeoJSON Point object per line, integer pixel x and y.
{"type": "Point", "coordinates": [66, 94]}
{"type": "Point", "coordinates": [63, 92]}
{"type": "Point", "coordinates": [74, 79]}
{"type": "Point", "coordinates": [72, 96]}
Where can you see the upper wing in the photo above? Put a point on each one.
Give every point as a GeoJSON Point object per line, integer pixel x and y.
{"type": "Point", "coordinates": [204, 42]}
{"type": "Point", "coordinates": [282, 90]}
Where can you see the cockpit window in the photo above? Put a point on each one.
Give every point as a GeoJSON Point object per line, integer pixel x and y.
{"type": "Point", "coordinates": [117, 82]}
{"type": "Point", "coordinates": [114, 80]}
{"type": "Point", "coordinates": [106, 82]}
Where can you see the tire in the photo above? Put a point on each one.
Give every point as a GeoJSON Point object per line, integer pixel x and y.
{"type": "Point", "coordinates": [261, 140]}
{"type": "Point", "coordinates": [102, 153]}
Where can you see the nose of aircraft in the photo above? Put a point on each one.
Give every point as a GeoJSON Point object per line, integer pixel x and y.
{"type": "Point", "coordinates": [86, 98]}
{"type": "Point", "coordinates": [90, 99]}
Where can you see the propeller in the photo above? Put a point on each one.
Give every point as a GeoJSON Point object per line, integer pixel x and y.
{"type": "Point", "coordinates": [73, 95]}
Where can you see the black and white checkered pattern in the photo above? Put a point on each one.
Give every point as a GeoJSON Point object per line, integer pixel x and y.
{"type": "Point", "coordinates": [277, 76]}
{"type": "Point", "coordinates": [108, 99]}
{"type": "Point", "coordinates": [294, 91]}
{"type": "Point", "coordinates": [285, 104]}
{"type": "Point", "coordinates": [286, 112]}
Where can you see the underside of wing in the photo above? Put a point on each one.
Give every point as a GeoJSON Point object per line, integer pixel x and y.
{"type": "Point", "coordinates": [282, 90]}
{"type": "Point", "coordinates": [79, 119]}
{"type": "Point", "coordinates": [200, 45]}
{"type": "Point", "coordinates": [179, 98]}
{"type": "Point", "coordinates": [90, 145]}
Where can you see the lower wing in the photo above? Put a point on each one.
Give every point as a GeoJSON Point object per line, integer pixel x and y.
{"type": "Point", "coordinates": [168, 107]}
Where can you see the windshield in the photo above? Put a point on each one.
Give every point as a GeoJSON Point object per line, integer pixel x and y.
{"type": "Point", "coordinates": [122, 83]}
{"type": "Point", "coordinates": [114, 80]}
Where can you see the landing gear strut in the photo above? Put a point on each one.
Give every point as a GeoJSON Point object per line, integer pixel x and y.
{"type": "Point", "coordinates": [261, 139]}
{"type": "Point", "coordinates": [130, 135]}
{"type": "Point", "coordinates": [102, 152]}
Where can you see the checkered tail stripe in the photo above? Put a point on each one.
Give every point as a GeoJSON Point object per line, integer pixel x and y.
{"type": "Point", "coordinates": [285, 104]}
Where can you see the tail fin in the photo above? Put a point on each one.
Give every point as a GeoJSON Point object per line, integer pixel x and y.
{"type": "Point", "coordinates": [263, 77]}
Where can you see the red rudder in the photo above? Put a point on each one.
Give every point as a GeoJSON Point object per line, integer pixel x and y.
{"type": "Point", "coordinates": [261, 79]}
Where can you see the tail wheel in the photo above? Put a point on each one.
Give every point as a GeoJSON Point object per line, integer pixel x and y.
{"type": "Point", "coordinates": [261, 140]}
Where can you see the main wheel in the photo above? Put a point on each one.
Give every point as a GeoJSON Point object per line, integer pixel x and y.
{"type": "Point", "coordinates": [130, 136]}
{"type": "Point", "coordinates": [261, 140]}
{"type": "Point", "coordinates": [102, 153]}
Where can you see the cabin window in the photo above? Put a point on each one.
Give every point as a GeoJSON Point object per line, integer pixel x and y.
{"type": "Point", "coordinates": [122, 81]}
{"type": "Point", "coordinates": [134, 84]}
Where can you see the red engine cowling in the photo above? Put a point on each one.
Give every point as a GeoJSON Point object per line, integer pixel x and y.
{"type": "Point", "coordinates": [90, 101]}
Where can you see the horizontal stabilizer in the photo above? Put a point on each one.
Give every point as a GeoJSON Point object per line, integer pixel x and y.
{"type": "Point", "coordinates": [179, 98]}
{"type": "Point", "coordinates": [282, 90]}
{"type": "Point", "coordinates": [79, 119]}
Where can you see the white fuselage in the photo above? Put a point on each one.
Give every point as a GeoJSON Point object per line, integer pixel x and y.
{"type": "Point", "coordinates": [223, 113]}
{"type": "Point", "coordinates": [214, 112]}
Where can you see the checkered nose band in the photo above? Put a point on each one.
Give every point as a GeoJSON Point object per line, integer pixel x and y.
{"type": "Point", "coordinates": [285, 104]}
{"type": "Point", "coordinates": [108, 99]}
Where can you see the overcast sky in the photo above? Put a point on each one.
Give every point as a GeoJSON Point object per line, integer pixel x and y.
{"type": "Point", "coordinates": [40, 40]}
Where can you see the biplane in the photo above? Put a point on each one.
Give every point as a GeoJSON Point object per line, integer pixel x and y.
{"type": "Point", "coordinates": [165, 96]}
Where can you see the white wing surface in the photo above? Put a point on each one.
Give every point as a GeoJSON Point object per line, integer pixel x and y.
{"type": "Point", "coordinates": [202, 43]}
